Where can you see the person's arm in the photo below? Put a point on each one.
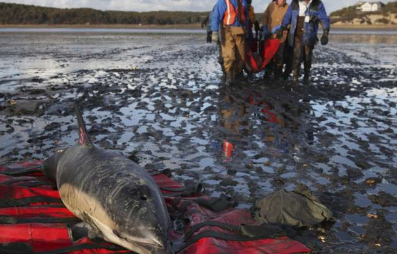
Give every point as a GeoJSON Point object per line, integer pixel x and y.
{"type": "Point", "coordinates": [323, 17]}
{"type": "Point", "coordinates": [209, 31]}
{"type": "Point", "coordinates": [205, 21]}
{"type": "Point", "coordinates": [253, 18]}
{"type": "Point", "coordinates": [286, 22]}
{"type": "Point", "coordinates": [217, 15]}
{"type": "Point", "coordinates": [246, 13]}
{"type": "Point", "coordinates": [287, 18]}
{"type": "Point", "coordinates": [265, 20]}
{"type": "Point", "coordinates": [209, 22]}
{"type": "Point", "coordinates": [325, 23]}
{"type": "Point", "coordinates": [265, 16]}
{"type": "Point", "coordinates": [252, 14]}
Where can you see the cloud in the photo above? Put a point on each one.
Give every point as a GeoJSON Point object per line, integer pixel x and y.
{"type": "Point", "coordinates": [169, 5]}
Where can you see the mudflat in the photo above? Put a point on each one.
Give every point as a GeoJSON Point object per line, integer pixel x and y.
{"type": "Point", "coordinates": [161, 95]}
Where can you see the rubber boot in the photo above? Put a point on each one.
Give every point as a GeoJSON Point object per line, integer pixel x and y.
{"type": "Point", "coordinates": [278, 71]}
{"type": "Point", "coordinates": [267, 78]}
{"type": "Point", "coordinates": [306, 77]}
{"type": "Point", "coordinates": [229, 78]}
{"type": "Point", "coordinates": [247, 68]}
{"type": "Point", "coordinates": [239, 78]}
{"type": "Point", "coordinates": [268, 75]}
{"type": "Point", "coordinates": [286, 75]}
{"type": "Point", "coordinates": [238, 75]}
{"type": "Point", "coordinates": [295, 75]}
{"type": "Point", "coordinates": [287, 72]}
{"type": "Point", "coordinates": [223, 78]}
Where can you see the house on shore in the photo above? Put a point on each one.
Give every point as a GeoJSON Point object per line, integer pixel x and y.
{"type": "Point", "coordinates": [369, 6]}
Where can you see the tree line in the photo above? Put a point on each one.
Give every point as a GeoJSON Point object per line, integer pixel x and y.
{"type": "Point", "coordinates": [20, 14]}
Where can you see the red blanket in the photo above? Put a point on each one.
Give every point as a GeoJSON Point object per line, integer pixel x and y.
{"type": "Point", "coordinates": [33, 219]}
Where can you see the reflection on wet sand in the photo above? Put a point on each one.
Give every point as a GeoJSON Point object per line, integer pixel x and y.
{"type": "Point", "coordinates": [233, 113]}
{"type": "Point", "coordinates": [279, 126]}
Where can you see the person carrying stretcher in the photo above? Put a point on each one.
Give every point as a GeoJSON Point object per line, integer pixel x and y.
{"type": "Point", "coordinates": [271, 23]}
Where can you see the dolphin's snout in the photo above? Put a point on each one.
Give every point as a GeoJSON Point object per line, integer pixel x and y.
{"type": "Point", "coordinates": [165, 249]}
{"type": "Point", "coordinates": [163, 243]}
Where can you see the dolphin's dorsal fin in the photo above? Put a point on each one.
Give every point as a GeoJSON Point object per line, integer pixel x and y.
{"type": "Point", "coordinates": [84, 139]}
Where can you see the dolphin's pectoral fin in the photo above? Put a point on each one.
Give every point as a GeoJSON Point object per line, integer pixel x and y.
{"type": "Point", "coordinates": [81, 230]}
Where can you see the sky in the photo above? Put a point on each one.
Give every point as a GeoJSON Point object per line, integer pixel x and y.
{"type": "Point", "coordinates": [169, 5]}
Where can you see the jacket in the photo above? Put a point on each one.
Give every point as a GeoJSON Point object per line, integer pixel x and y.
{"type": "Point", "coordinates": [273, 17]}
{"type": "Point", "coordinates": [219, 12]}
{"type": "Point", "coordinates": [316, 13]}
{"type": "Point", "coordinates": [251, 14]}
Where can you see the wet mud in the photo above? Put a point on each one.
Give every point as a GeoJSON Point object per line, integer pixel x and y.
{"type": "Point", "coordinates": [159, 99]}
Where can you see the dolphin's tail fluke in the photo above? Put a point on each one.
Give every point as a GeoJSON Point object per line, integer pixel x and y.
{"type": "Point", "coordinates": [84, 139]}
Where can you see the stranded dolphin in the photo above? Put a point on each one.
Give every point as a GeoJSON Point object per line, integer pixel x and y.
{"type": "Point", "coordinates": [111, 193]}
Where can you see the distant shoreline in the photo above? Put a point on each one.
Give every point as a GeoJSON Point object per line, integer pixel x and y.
{"type": "Point", "coordinates": [191, 26]}
{"type": "Point", "coordinates": [119, 26]}
{"type": "Point", "coordinates": [364, 27]}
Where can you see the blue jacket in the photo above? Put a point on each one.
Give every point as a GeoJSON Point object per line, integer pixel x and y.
{"type": "Point", "coordinates": [219, 11]}
{"type": "Point", "coordinates": [316, 12]}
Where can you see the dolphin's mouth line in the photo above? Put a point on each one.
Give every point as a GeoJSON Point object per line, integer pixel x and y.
{"type": "Point", "coordinates": [143, 241]}
{"type": "Point", "coordinates": [147, 244]}
{"type": "Point", "coordinates": [131, 240]}
{"type": "Point", "coordinates": [156, 244]}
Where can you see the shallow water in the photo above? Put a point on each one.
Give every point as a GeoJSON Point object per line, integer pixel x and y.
{"type": "Point", "coordinates": [160, 95]}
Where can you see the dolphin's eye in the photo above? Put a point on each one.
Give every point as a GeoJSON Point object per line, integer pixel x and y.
{"type": "Point", "coordinates": [144, 198]}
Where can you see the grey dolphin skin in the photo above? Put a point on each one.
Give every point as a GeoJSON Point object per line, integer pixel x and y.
{"type": "Point", "coordinates": [111, 193]}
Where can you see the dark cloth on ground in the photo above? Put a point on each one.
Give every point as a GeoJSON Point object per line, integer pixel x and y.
{"type": "Point", "coordinates": [298, 208]}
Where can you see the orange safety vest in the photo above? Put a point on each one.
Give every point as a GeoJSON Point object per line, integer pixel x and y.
{"type": "Point", "coordinates": [231, 13]}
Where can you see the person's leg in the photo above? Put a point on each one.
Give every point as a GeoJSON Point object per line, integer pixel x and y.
{"type": "Point", "coordinates": [296, 62]}
{"type": "Point", "coordinates": [287, 58]}
{"type": "Point", "coordinates": [298, 49]}
{"type": "Point", "coordinates": [308, 61]}
{"type": "Point", "coordinates": [228, 53]}
{"type": "Point", "coordinates": [220, 57]}
{"type": "Point", "coordinates": [278, 62]}
{"type": "Point", "coordinates": [240, 54]}
{"type": "Point", "coordinates": [221, 62]}
{"type": "Point", "coordinates": [268, 71]}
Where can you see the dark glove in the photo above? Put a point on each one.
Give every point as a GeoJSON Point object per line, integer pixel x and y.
{"type": "Point", "coordinates": [280, 33]}
{"type": "Point", "coordinates": [256, 25]}
{"type": "Point", "coordinates": [215, 37]}
{"type": "Point", "coordinates": [209, 36]}
{"type": "Point", "coordinates": [324, 38]}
